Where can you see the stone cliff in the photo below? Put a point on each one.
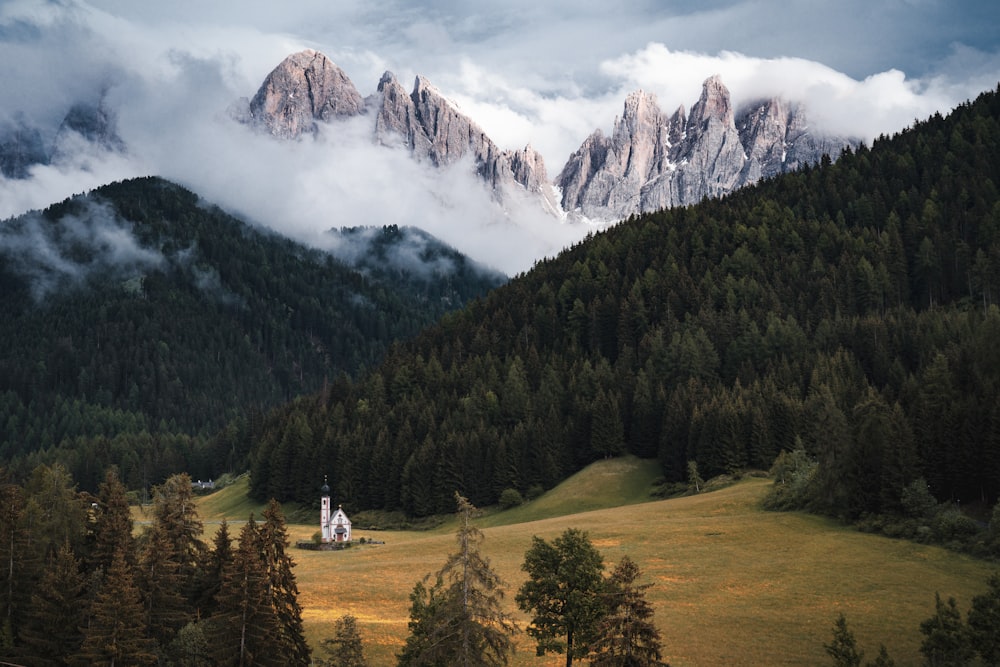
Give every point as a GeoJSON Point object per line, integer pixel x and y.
{"type": "Point", "coordinates": [655, 161]}
{"type": "Point", "coordinates": [305, 88]}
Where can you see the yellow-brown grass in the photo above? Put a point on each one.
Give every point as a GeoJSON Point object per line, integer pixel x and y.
{"type": "Point", "coordinates": [733, 584]}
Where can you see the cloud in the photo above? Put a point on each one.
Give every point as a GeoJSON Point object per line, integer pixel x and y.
{"type": "Point", "coordinates": [540, 73]}
{"type": "Point", "coordinates": [54, 256]}
{"type": "Point", "coordinates": [74, 173]}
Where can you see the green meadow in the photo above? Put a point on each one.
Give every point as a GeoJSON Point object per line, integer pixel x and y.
{"type": "Point", "coordinates": [733, 584]}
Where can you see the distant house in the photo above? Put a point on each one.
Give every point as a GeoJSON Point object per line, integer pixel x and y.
{"type": "Point", "coordinates": [203, 486]}
{"type": "Point", "coordinates": [334, 527]}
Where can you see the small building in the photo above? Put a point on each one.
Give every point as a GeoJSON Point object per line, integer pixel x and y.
{"type": "Point", "coordinates": [335, 527]}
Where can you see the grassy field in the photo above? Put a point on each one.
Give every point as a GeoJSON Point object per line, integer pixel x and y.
{"type": "Point", "coordinates": [733, 584]}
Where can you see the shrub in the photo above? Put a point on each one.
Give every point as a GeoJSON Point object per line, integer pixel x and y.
{"type": "Point", "coordinates": [793, 473]}
{"type": "Point", "coordinates": [917, 500]}
{"type": "Point", "coordinates": [951, 525]}
{"type": "Point", "coordinates": [510, 498]}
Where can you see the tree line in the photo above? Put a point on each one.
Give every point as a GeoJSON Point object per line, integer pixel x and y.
{"type": "Point", "coordinates": [848, 310]}
{"type": "Point", "coordinates": [78, 586]}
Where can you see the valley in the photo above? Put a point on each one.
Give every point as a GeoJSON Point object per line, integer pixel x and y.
{"type": "Point", "coordinates": [733, 584]}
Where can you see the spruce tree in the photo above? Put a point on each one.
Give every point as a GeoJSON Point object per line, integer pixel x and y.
{"type": "Point", "coordinates": [459, 621]}
{"type": "Point", "coordinates": [244, 625]}
{"type": "Point", "coordinates": [984, 622]}
{"type": "Point", "coordinates": [50, 630]}
{"type": "Point", "coordinates": [843, 648]}
{"type": "Point", "coordinates": [945, 643]}
{"type": "Point", "coordinates": [15, 584]}
{"type": "Point", "coordinates": [282, 587]}
{"type": "Point", "coordinates": [112, 524]}
{"type": "Point", "coordinates": [424, 608]}
{"type": "Point", "coordinates": [626, 635]}
{"type": "Point", "coordinates": [116, 634]}
{"type": "Point", "coordinates": [345, 648]}
{"type": "Point", "coordinates": [176, 515]}
{"type": "Point", "coordinates": [165, 609]}
{"type": "Point", "coordinates": [212, 570]}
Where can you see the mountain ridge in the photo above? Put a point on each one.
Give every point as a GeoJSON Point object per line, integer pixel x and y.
{"type": "Point", "coordinates": [651, 161]}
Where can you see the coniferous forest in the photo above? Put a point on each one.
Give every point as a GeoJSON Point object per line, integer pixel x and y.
{"type": "Point", "coordinates": [139, 321]}
{"type": "Point", "coordinates": [845, 315]}
{"type": "Point", "coordinates": [80, 587]}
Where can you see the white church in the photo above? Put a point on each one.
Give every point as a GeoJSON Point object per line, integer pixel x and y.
{"type": "Point", "coordinates": [334, 527]}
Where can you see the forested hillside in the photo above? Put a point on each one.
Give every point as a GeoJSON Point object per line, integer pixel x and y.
{"type": "Point", "coordinates": [848, 310]}
{"type": "Point", "coordinates": [139, 320]}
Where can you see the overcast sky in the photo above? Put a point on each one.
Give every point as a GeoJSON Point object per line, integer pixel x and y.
{"type": "Point", "coordinates": [528, 71]}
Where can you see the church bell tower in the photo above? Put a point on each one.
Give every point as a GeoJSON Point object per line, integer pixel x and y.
{"type": "Point", "coordinates": [324, 511]}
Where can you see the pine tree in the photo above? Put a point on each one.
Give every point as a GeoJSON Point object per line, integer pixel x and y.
{"type": "Point", "coordinates": [15, 584]}
{"type": "Point", "coordinates": [627, 636]}
{"type": "Point", "coordinates": [282, 587]}
{"type": "Point", "coordinates": [54, 510]}
{"type": "Point", "coordinates": [176, 515]}
{"type": "Point", "coordinates": [984, 622]}
{"type": "Point", "coordinates": [843, 648]}
{"type": "Point", "coordinates": [345, 648]}
{"type": "Point", "coordinates": [563, 593]}
{"type": "Point", "coordinates": [459, 621]}
{"type": "Point", "coordinates": [945, 643]}
{"type": "Point", "coordinates": [112, 524]}
{"type": "Point", "coordinates": [211, 572]}
{"type": "Point", "coordinates": [50, 630]}
{"type": "Point", "coordinates": [165, 609]}
{"type": "Point", "coordinates": [244, 625]}
{"type": "Point", "coordinates": [424, 608]}
{"type": "Point", "coordinates": [116, 634]}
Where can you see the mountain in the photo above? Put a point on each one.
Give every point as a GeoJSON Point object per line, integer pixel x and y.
{"type": "Point", "coordinates": [846, 311]}
{"type": "Point", "coordinates": [650, 161]}
{"type": "Point", "coordinates": [22, 144]}
{"type": "Point", "coordinates": [140, 310]}
{"type": "Point", "coordinates": [307, 88]}
{"type": "Point", "coordinates": [653, 160]}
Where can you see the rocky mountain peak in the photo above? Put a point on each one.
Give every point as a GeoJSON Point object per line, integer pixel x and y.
{"type": "Point", "coordinates": [714, 103]}
{"type": "Point", "coordinates": [434, 129]}
{"type": "Point", "coordinates": [304, 88]}
{"type": "Point", "coordinates": [653, 161]}
{"type": "Point", "coordinates": [650, 160]}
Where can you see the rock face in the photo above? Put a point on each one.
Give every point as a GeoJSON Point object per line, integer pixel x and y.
{"type": "Point", "coordinates": [306, 87]}
{"type": "Point", "coordinates": [433, 129]}
{"type": "Point", "coordinates": [95, 123]}
{"type": "Point", "coordinates": [22, 146]}
{"type": "Point", "coordinates": [653, 161]}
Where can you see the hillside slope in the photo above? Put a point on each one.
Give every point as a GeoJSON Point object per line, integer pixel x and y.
{"type": "Point", "coordinates": [848, 309]}
{"type": "Point", "coordinates": [732, 584]}
{"type": "Point", "coordinates": [139, 318]}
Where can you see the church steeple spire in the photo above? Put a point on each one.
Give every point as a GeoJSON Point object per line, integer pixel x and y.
{"type": "Point", "coordinates": [324, 511]}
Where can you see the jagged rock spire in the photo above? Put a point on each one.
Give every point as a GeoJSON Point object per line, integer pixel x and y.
{"type": "Point", "coordinates": [306, 87]}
